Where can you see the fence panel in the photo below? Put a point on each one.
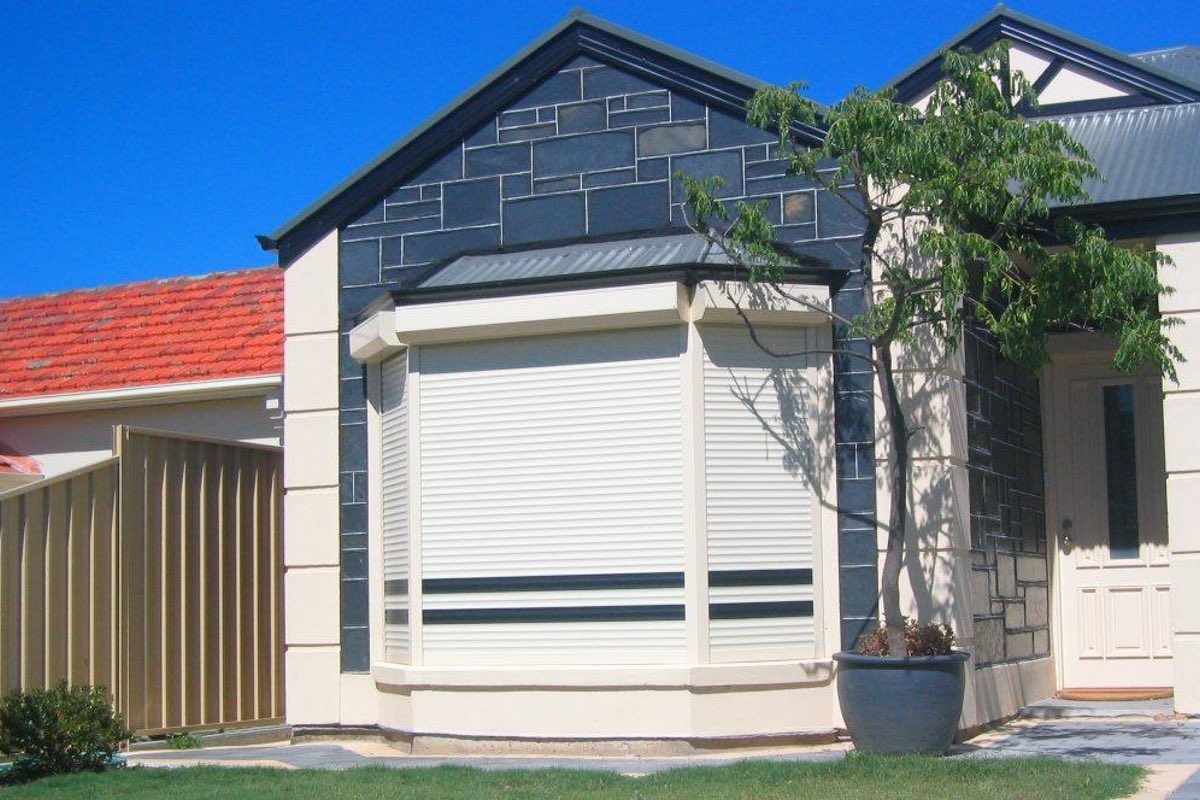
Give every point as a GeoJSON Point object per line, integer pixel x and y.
{"type": "Point", "coordinates": [203, 518]}
{"type": "Point", "coordinates": [156, 573]}
{"type": "Point", "coordinates": [58, 570]}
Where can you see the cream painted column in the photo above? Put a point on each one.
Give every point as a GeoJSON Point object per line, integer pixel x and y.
{"type": "Point", "coordinates": [310, 476]}
{"type": "Point", "coordinates": [1181, 428]}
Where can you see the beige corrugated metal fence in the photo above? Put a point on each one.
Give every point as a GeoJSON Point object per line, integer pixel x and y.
{"type": "Point", "coordinates": [156, 573]}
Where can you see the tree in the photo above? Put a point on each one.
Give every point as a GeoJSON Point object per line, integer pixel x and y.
{"type": "Point", "coordinates": [956, 201]}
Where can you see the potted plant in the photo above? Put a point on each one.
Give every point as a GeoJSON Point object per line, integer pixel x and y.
{"type": "Point", "coordinates": [954, 205]}
{"type": "Point", "coordinates": [906, 703]}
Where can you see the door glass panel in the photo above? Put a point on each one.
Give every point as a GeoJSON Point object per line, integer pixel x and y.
{"type": "Point", "coordinates": [1121, 464]}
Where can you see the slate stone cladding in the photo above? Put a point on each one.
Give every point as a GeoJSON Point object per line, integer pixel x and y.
{"type": "Point", "coordinates": [1008, 527]}
{"type": "Point", "coordinates": [588, 153]}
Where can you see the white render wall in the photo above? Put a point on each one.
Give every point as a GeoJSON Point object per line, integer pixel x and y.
{"type": "Point", "coordinates": [65, 441]}
{"type": "Point", "coordinates": [1181, 428]}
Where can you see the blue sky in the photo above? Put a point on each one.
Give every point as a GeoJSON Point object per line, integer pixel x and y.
{"type": "Point", "coordinates": [143, 140]}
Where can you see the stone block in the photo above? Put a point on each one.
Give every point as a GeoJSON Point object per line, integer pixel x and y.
{"type": "Point", "coordinates": [582, 117]}
{"type": "Point", "coordinates": [550, 185]}
{"type": "Point", "coordinates": [516, 185]}
{"type": "Point", "coordinates": [584, 153]}
{"type": "Point", "coordinates": [549, 218]}
{"type": "Point", "coordinates": [837, 217]}
{"type": "Point", "coordinates": [642, 116]}
{"type": "Point", "coordinates": [612, 177]}
{"type": "Point", "coordinates": [628, 208]}
{"type": "Point", "coordinates": [725, 130]}
{"type": "Point", "coordinates": [500, 159]}
{"type": "Point", "coordinates": [726, 165]}
{"type": "Point", "coordinates": [562, 87]}
{"type": "Point", "coordinates": [471, 203]}
{"type": "Point", "coordinates": [799, 208]}
{"type": "Point", "coordinates": [989, 640]}
{"type": "Point", "coordinates": [541, 131]}
{"type": "Point", "coordinates": [1037, 606]}
{"type": "Point", "coordinates": [1031, 568]}
{"type": "Point", "coordinates": [648, 100]}
{"type": "Point", "coordinates": [683, 108]}
{"type": "Point", "coordinates": [359, 262]}
{"type": "Point", "coordinates": [661, 140]}
{"type": "Point", "coordinates": [423, 248]}
{"type": "Point", "coordinates": [607, 81]}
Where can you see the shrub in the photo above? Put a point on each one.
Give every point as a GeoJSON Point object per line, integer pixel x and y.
{"type": "Point", "coordinates": [61, 730]}
{"type": "Point", "coordinates": [184, 741]}
{"type": "Point", "coordinates": [934, 639]}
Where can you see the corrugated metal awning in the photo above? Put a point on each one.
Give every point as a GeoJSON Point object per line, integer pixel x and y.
{"type": "Point", "coordinates": [595, 258]}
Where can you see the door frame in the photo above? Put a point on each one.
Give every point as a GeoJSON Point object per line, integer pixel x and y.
{"type": "Point", "coordinates": [1068, 351]}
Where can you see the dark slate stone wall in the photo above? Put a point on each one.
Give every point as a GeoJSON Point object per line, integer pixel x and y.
{"type": "Point", "coordinates": [1008, 521]}
{"type": "Point", "coordinates": [587, 153]}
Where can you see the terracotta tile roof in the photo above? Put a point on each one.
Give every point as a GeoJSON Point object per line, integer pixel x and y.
{"type": "Point", "coordinates": [179, 330]}
{"type": "Point", "coordinates": [13, 463]}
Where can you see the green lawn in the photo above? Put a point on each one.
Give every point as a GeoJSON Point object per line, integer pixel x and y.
{"type": "Point", "coordinates": [856, 778]}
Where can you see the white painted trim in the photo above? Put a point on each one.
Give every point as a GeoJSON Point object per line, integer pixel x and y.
{"type": "Point", "coordinates": [376, 625]}
{"type": "Point", "coordinates": [714, 302]}
{"type": "Point", "coordinates": [140, 395]}
{"type": "Point", "coordinates": [695, 520]}
{"type": "Point", "coordinates": [375, 338]}
{"type": "Point", "coordinates": [701, 676]}
{"type": "Point", "coordinates": [524, 315]}
{"type": "Point", "coordinates": [416, 569]}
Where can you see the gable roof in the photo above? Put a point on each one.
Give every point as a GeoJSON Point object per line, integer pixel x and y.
{"type": "Point", "coordinates": [579, 33]}
{"type": "Point", "coordinates": [1148, 77]}
{"type": "Point", "coordinates": [1182, 61]}
{"type": "Point", "coordinates": [181, 330]}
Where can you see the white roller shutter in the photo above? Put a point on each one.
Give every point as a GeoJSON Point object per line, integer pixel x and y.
{"type": "Point", "coordinates": [396, 523]}
{"type": "Point", "coordinates": [552, 499]}
{"type": "Point", "coordinates": [761, 508]}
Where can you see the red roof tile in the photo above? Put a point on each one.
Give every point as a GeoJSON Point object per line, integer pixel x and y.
{"type": "Point", "coordinates": [13, 463]}
{"type": "Point", "coordinates": [181, 330]}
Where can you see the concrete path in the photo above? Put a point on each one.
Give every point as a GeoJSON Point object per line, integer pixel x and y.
{"type": "Point", "coordinates": [1169, 747]}
{"type": "Point", "coordinates": [346, 754]}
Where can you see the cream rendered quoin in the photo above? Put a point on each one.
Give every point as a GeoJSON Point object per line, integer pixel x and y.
{"type": "Point", "coordinates": [1181, 418]}
{"type": "Point", "coordinates": [317, 692]}
{"type": "Point", "coordinates": [556, 519]}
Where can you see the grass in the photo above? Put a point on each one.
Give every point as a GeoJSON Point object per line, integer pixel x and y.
{"type": "Point", "coordinates": [855, 778]}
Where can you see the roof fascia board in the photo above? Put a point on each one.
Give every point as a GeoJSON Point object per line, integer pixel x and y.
{"type": "Point", "coordinates": [1003, 23]}
{"type": "Point", "coordinates": [579, 33]}
{"type": "Point", "coordinates": [140, 396]}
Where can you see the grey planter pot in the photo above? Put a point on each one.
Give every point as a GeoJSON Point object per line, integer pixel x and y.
{"type": "Point", "coordinates": [895, 706]}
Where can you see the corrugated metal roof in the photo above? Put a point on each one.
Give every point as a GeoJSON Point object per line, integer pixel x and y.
{"type": "Point", "coordinates": [576, 259]}
{"type": "Point", "coordinates": [1183, 61]}
{"type": "Point", "coordinates": [590, 258]}
{"type": "Point", "coordinates": [1142, 153]}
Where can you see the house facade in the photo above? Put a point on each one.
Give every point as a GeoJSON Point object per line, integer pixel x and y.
{"type": "Point", "coordinates": [201, 356]}
{"type": "Point", "coordinates": [541, 484]}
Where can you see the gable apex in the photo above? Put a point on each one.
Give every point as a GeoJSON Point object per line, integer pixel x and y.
{"type": "Point", "coordinates": [1140, 81]}
{"type": "Point", "coordinates": [578, 35]}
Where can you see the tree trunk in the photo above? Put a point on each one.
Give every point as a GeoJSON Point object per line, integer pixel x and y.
{"type": "Point", "coordinates": [897, 481]}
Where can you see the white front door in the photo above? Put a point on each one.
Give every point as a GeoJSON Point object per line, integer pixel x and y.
{"type": "Point", "coordinates": [1108, 488]}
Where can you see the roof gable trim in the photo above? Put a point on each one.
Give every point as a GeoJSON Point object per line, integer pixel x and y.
{"type": "Point", "coordinates": [1003, 23]}
{"type": "Point", "coordinates": [578, 34]}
